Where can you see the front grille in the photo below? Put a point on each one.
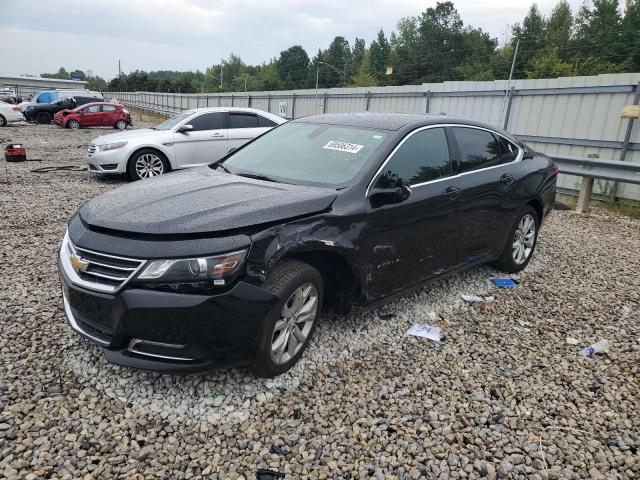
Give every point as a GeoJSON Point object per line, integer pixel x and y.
{"type": "Point", "coordinates": [97, 333]}
{"type": "Point", "coordinates": [106, 269]}
{"type": "Point", "coordinates": [91, 149]}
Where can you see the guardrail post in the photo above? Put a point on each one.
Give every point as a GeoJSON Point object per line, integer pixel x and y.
{"type": "Point", "coordinates": [625, 143]}
{"type": "Point", "coordinates": [232, 99]}
{"type": "Point", "coordinates": [293, 106]}
{"type": "Point", "coordinates": [584, 198]}
{"type": "Point", "coordinates": [249, 101]}
{"type": "Point", "coordinates": [324, 103]}
{"type": "Point", "coordinates": [427, 101]}
{"type": "Point", "coordinates": [269, 103]}
{"type": "Point", "coordinates": [368, 99]}
{"type": "Point", "coordinates": [508, 112]}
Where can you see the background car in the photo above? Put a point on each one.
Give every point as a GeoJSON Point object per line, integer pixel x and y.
{"type": "Point", "coordinates": [9, 113]}
{"type": "Point", "coordinates": [50, 96]}
{"type": "Point", "coordinates": [43, 113]}
{"type": "Point", "coordinates": [98, 114]}
{"type": "Point", "coordinates": [192, 138]}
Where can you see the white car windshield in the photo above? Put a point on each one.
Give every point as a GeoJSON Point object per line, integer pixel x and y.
{"type": "Point", "coordinates": [171, 122]}
{"type": "Point", "coordinates": [330, 155]}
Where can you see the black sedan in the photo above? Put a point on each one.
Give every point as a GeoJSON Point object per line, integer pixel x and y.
{"type": "Point", "coordinates": [44, 112]}
{"type": "Point", "coordinates": [232, 263]}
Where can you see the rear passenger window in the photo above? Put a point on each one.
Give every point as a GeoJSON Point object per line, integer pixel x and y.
{"type": "Point", "coordinates": [424, 156]}
{"type": "Point", "coordinates": [208, 121]}
{"type": "Point", "coordinates": [92, 109]}
{"type": "Point", "coordinates": [478, 149]}
{"type": "Point", "coordinates": [241, 120]}
{"type": "Point", "coordinates": [265, 122]}
{"type": "Point", "coordinates": [508, 151]}
{"type": "Point", "coordinates": [108, 108]}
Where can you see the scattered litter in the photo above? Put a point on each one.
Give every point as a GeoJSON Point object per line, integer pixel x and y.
{"type": "Point", "coordinates": [266, 474]}
{"type": "Point", "coordinates": [62, 168]}
{"type": "Point", "coordinates": [505, 282]}
{"type": "Point", "coordinates": [597, 347]}
{"type": "Point", "coordinates": [477, 298]}
{"type": "Point", "coordinates": [425, 331]}
{"type": "Point", "coordinates": [572, 341]}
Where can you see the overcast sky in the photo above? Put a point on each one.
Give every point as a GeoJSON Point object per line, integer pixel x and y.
{"type": "Point", "coordinates": [41, 35]}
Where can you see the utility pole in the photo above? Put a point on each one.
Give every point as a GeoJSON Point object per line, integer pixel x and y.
{"type": "Point", "coordinates": [221, 73]}
{"type": "Point", "coordinates": [119, 70]}
{"type": "Point", "coordinates": [513, 64]}
{"type": "Point", "coordinates": [315, 105]}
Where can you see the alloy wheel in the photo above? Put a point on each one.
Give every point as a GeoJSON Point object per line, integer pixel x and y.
{"type": "Point", "coordinates": [74, 124]}
{"type": "Point", "coordinates": [524, 239]}
{"type": "Point", "coordinates": [121, 125]}
{"type": "Point", "coordinates": [149, 165]}
{"type": "Point", "coordinates": [292, 329]}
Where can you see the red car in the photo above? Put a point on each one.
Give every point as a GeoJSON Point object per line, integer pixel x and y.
{"type": "Point", "coordinates": [98, 114]}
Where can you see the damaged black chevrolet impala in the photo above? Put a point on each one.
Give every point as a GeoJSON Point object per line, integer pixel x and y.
{"type": "Point", "coordinates": [232, 263]}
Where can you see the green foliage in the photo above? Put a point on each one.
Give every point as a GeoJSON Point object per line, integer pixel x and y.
{"type": "Point", "coordinates": [433, 46]}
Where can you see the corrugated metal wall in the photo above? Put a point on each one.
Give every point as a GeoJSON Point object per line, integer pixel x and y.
{"type": "Point", "coordinates": [563, 116]}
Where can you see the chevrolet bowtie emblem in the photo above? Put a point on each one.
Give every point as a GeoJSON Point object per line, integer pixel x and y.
{"type": "Point", "coordinates": [78, 264]}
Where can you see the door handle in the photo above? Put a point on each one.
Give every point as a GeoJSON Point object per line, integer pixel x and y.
{"type": "Point", "coordinates": [507, 179]}
{"type": "Point", "coordinates": [218, 135]}
{"type": "Point", "coordinates": [452, 193]}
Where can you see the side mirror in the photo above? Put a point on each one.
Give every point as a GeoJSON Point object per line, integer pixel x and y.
{"type": "Point", "coordinates": [185, 128]}
{"type": "Point", "coordinates": [389, 195]}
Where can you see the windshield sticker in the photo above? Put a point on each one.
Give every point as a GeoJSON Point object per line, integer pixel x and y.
{"type": "Point", "coordinates": [343, 146]}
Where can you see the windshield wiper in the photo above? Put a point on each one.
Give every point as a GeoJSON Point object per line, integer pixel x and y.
{"type": "Point", "coordinates": [256, 177]}
{"type": "Point", "coordinates": [221, 165]}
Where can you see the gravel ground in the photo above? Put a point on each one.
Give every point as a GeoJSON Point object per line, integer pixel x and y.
{"type": "Point", "coordinates": [504, 395]}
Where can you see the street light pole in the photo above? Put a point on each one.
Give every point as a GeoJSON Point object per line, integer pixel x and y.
{"type": "Point", "coordinates": [315, 110]}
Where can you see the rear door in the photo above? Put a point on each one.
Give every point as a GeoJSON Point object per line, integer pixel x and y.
{"type": "Point", "coordinates": [417, 238]}
{"type": "Point", "coordinates": [205, 143]}
{"type": "Point", "coordinates": [243, 127]}
{"type": "Point", "coordinates": [486, 167]}
{"type": "Point", "coordinates": [91, 116]}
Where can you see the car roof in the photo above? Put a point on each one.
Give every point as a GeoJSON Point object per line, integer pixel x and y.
{"type": "Point", "coordinates": [100, 103]}
{"type": "Point", "coordinates": [234, 109]}
{"type": "Point", "coordinates": [389, 121]}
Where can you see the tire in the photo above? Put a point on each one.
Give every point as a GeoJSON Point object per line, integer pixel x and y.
{"type": "Point", "coordinates": [120, 125]}
{"type": "Point", "coordinates": [73, 124]}
{"type": "Point", "coordinates": [291, 282]}
{"type": "Point", "coordinates": [3, 121]}
{"type": "Point", "coordinates": [43, 118]}
{"type": "Point", "coordinates": [147, 163]}
{"type": "Point", "coordinates": [520, 245]}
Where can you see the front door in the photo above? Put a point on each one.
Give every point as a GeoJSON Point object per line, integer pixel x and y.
{"type": "Point", "coordinates": [205, 143]}
{"type": "Point", "coordinates": [91, 116]}
{"type": "Point", "coordinates": [107, 119]}
{"type": "Point", "coordinates": [414, 239]}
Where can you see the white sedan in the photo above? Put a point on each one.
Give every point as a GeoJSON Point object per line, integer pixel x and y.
{"type": "Point", "coordinates": [9, 113]}
{"type": "Point", "coordinates": [192, 138]}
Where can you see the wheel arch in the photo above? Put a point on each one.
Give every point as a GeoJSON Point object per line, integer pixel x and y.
{"type": "Point", "coordinates": [139, 148]}
{"type": "Point", "coordinates": [536, 204]}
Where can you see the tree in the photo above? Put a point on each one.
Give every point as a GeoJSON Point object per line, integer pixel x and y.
{"type": "Point", "coordinates": [293, 65]}
{"type": "Point", "coordinates": [357, 55]}
{"type": "Point", "coordinates": [530, 35]}
{"type": "Point", "coordinates": [405, 47]}
{"type": "Point", "coordinates": [379, 56]}
{"type": "Point", "coordinates": [557, 30]}
{"type": "Point", "coordinates": [549, 65]}
{"type": "Point", "coordinates": [599, 31]}
{"type": "Point", "coordinates": [630, 35]}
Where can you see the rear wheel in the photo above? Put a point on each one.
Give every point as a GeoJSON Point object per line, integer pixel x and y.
{"type": "Point", "coordinates": [73, 124]}
{"type": "Point", "coordinates": [147, 163]}
{"type": "Point", "coordinates": [3, 121]}
{"type": "Point", "coordinates": [521, 242]}
{"type": "Point", "coordinates": [292, 321]}
{"type": "Point", "coordinates": [120, 125]}
{"type": "Point", "coordinates": [44, 118]}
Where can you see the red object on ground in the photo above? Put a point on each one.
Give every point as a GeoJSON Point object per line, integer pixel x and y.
{"type": "Point", "coordinates": [98, 114]}
{"type": "Point", "coordinates": [15, 153]}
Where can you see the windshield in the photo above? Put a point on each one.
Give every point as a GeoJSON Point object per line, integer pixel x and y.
{"type": "Point", "coordinates": [171, 122]}
{"type": "Point", "coordinates": [308, 153]}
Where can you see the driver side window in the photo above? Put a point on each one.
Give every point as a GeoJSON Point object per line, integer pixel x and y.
{"type": "Point", "coordinates": [208, 121]}
{"type": "Point", "coordinates": [424, 156]}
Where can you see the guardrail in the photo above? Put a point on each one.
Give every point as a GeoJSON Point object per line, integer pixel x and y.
{"type": "Point", "coordinates": [590, 169]}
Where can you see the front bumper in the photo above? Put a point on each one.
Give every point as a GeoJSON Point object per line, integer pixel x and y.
{"type": "Point", "coordinates": [169, 332]}
{"type": "Point", "coordinates": [111, 161]}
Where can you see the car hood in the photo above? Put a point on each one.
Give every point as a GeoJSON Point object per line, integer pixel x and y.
{"type": "Point", "coordinates": [127, 135]}
{"type": "Point", "coordinates": [201, 200]}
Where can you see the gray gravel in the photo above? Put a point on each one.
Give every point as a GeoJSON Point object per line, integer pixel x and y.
{"type": "Point", "coordinates": [365, 401]}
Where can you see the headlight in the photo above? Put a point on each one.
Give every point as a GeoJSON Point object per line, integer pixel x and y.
{"type": "Point", "coordinates": [190, 270]}
{"type": "Point", "coordinates": [125, 111]}
{"type": "Point", "coordinates": [112, 146]}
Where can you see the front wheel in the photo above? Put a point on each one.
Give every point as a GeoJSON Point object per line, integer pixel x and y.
{"type": "Point", "coordinates": [521, 242]}
{"type": "Point", "coordinates": [73, 124]}
{"type": "Point", "coordinates": [3, 121]}
{"type": "Point", "coordinates": [147, 163]}
{"type": "Point", "coordinates": [43, 118]}
{"type": "Point", "coordinates": [120, 125]}
{"type": "Point", "coordinates": [292, 321]}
